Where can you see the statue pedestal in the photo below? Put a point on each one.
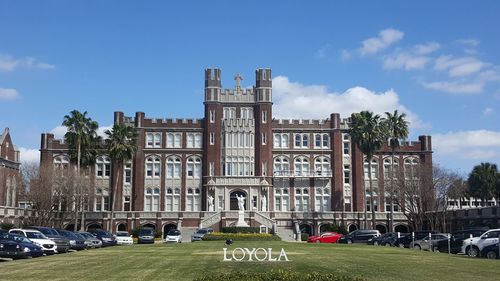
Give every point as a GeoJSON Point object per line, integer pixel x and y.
{"type": "Point", "coordinates": [241, 219]}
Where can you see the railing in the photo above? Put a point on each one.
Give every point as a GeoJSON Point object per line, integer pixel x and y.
{"type": "Point", "coordinates": [264, 220]}
{"type": "Point", "coordinates": [211, 220]}
{"type": "Point", "coordinates": [311, 173]}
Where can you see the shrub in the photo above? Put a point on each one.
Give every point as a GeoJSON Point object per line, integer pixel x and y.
{"type": "Point", "coordinates": [7, 225]}
{"type": "Point", "coordinates": [304, 236]}
{"type": "Point", "coordinates": [216, 236]}
{"type": "Point", "coordinates": [277, 275]}
{"type": "Point", "coordinates": [334, 228]}
{"type": "Point", "coordinates": [240, 229]}
{"type": "Point", "coordinates": [135, 232]}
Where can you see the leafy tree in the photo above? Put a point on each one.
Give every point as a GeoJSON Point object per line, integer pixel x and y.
{"type": "Point", "coordinates": [121, 145]}
{"type": "Point", "coordinates": [397, 128]}
{"type": "Point", "coordinates": [483, 181]}
{"type": "Point", "coordinates": [368, 133]}
{"type": "Point", "coordinates": [82, 140]}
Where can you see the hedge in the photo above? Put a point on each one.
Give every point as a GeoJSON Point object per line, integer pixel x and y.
{"type": "Point", "coordinates": [240, 229]}
{"type": "Point", "coordinates": [279, 275]}
{"type": "Point", "coordinates": [216, 236]}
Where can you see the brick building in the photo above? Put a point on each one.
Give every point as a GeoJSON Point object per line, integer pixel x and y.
{"type": "Point", "coordinates": [295, 175]}
{"type": "Point", "coordinates": [10, 179]}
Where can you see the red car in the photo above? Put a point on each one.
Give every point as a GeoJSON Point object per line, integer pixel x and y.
{"type": "Point", "coordinates": [325, 237]}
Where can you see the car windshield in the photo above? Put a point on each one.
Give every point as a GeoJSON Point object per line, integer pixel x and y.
{"type": "Point", "coordinates": [68, 234]}
{"type": "Point", "coordinates": [86, 235]}
{"type": "Point", "coordinates": [122, 234]}
{"type": "Point", "coordinates": [35, 235]}
{"type": "Point", "coordinates": [102, 232]}
{"type": "Point", "coordinates": [22, 239]}
{"type": "Point", "coordinates": [48, 231]}
{"type": "Point", "coordinates": [201, 231]}
{"type": "Point", "coordinates": [174, 232]}
{"type": "Point", "coordinates": [79, 235]}
{"type": "Point", "coordinates": [146, 232]}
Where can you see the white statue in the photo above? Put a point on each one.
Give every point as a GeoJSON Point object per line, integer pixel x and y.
{"type": "Point", "coordinates": [241, 202]}
{"type": "Point", "coordinates": [210, 203]}
{"type": "Point", "coordinates": [263, 203]}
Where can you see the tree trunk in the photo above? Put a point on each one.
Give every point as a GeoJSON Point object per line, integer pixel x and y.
{"type": "Point", "coordinates": [112, 200]}
{"type": "Point", "coordinates": [391, 221]}
{"type": "Point", "coordinates": [371, 192]}
{"type": "Point", "coordinates": [78, 160]}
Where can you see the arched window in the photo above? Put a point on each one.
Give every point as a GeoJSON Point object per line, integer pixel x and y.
{"type": "Point", "coordinates": [153, 167]}
{"type": "Point", "coordinates": [194, 167]}
{"type": "Point", "coordinates": [127, 173]}
{"type": "Point", "coordinates": [103, 167]}
{"type": "Point", "coordinates": [388, 172]}
{"type": "Point", "coordinates": [322, 166]}
{"type": "Point", "coordinates": [172, 199]}
{"type": "Point", "coordinates": [321, 141]}
{"type": "Point", "coordinates": [101, 201]}
{"type": "Point", "coordinates": [374, 169]}
{"type": "Point", "coordinates": [322, 199]}
{"type": "Point", "coordinates": [301, 166]}
{"type": "Point", "coordinates": [302, 199]}
{"type": "Point", "coordinates": [61, 161]}
{"type": "Point", "coordinates": [281, 199]}
{"type": "Point", "coordinates": [411, 168]}
{"type": "Point", "coordinates": [152, 199]}
{"type": "Point", "coordinates": [174, 167]}
{"type": "Point", "coordinates": [281, 166]}
{"type": "Point", "coordinates": [193, 200]}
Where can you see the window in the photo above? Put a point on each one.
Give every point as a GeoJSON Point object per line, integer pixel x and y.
{"type": "Point", "coordinates": [101, 201]}
{"type": "Point", "coordinates": [388, 172]}
{"type": "Point", "coordinates": [322, 167]}
{"type": "Point", "coordinates": [301, 166]}
{"type": "Point", "coordinates": [127, 173]}
{"type": "Point", "coordinates": [264, 116]}
{"type": "Point", "coordinates": [126, 203]}
{"type": "Point", "coordinates": [229, 113]}
{"type": "Point", "coordinates": [212, 138]}
{"type": "Point", "coordinates": [61, 162]}
{"type": "Point", "coordinates": [194, 167]}
{"type": "Point", "coordinates": [212, 116]}
{"type": "Point", "coordinates": [194, 140]}
{"type": "Point", "coordinates": [302, 199]}
{"type": "Point", "coordinates": [281, 199]}
{"type": "Point", "coordinates": [346, 148]}
{"type": "Point", "coordinates": [322, 203]}
{"type": "Point", "coordinates": [368, 205]}
{"type": "Point", "coordinates": [347, 177]}
{"type": "Point", "coordinates": [374, 167]}
{"type": "Point", "coordinates": [388, 205]}
{"type": "Point", "coordinates": [174, 140]}
{"type": "Point", "coordinates": [238, 166]}
{"type": "Point", "coordinates": [153, 167]}
{"type": "Point", "coordinates": [301, 140]}
{"type": "Point", "coordinates": [153, 139]}
{"type": "Point", "coordinates": [281, 166]}
{"type": "Point", "coordinates": [280, 140]}
{"type": "Point", "coordinates": [411, 165]}
{"type": "Point", "coordinates": [174, 167]}
{"type": "Point", "coordinates": [321, 141]}
{"type": "Point", "coordinates": [152, 199]}
{"type": "Point", "coordinates": [103, 167]}
{"type": "Point", "coordinates": [193, 199]}
{"type": "Point", "coordinates": [172, 199]}
{"type": "Point", "coordinates": [246, 113]}
{"type": "Point", "coordinates": [264, 138]}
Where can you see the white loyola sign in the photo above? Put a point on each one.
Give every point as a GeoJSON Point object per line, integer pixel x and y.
{"type": "Point", "coordinates": [254, 254]}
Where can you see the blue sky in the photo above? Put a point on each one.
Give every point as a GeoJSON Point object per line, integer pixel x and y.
{"type": "Point", "coordinates": [438, 62]}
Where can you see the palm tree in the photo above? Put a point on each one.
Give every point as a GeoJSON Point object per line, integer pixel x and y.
{"type": "Point", "coordinates": [82, 140]}
{"type": "Point", "coordinates": [368, 134]}
{"type": "Point", "coordinates": [397, 128]}
{"type": "Point", "coordinates": [483, 181]}
{"type": "Point", "coordinates": [121, 145]}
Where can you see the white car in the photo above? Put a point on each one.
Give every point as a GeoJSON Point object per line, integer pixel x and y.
{"type": "Point", "coordinates": [173, 236]}
{"type": "Point", "coordinates": [473, 246]}
{"type": "Point", "coordinates": [49, 247]}
{"type": "Point", "coordinates": [123, 238]}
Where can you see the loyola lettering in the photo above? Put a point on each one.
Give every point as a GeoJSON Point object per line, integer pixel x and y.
{"type": "Point", "coordinates": [254, 254]}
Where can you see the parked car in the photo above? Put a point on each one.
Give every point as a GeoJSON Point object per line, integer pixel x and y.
{"type": "Point", "coordinates": [325, 237]}
{"type": "Point", "coordinates": [91, 239]}
{"type": "Point", "coordinates": [106, 238]}
{"type": "Point", "coordinates": [76, 243]}
{"type": "Point", "coordinates": [62, 242]}
{"type": "Point", "coordinates": [146, 235]}
{"type": "Point", "coordinates": [382, 239]}
{"type": "Point", "coordinates": [456, 240]}
{"type": "Point", "coordinates": [426, 243]}
{"type": "Point", "coordinates": [490, 252]}
{"type": "Point", "coordinates": [48, 246]}
{"type": "Point", "coordinates": [123, 238]}
{"type": "Point", "coordinates": [474, 246]}
{"type": "Point", "coordinates": [173, 236]}
{"type": "Point", "coordinates": [15, 247]}
{"type": "Point", "coordinates": [88, 244]}
{"type": "Point", "coordinates": [359, 236]}
{"type": "Point", "coordinates": [200, 233]}
{"type": "Point", "coordinates": [405, 241]}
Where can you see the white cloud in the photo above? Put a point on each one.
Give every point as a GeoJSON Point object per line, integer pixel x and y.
{"type": "Point", "coordinates": [29, 155]}
{"type": "Point", "coordinates": [295, 100]}
{"type": "Point", "coordinates": [8, 63]}
{"type": "Point", "coordinates": [60, 131]}
{"type": "Point", "coordinates": [456, 87]}
{"type": "Point", "coordinates": [476, 145]}
{"type": "Point", "coordinates": [384, 39]}
{"type": "Point", "coordinates": [8, 94]}
{"type": "Point", "coordinates": [405, 61]}
{"type": "Point", "coordinates": [459, 66]}
{"type": "Point", "coordinates": [427, 48]}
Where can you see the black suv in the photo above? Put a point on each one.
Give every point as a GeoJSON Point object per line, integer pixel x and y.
{"type": "Point", "coordinates": [76, 243]}
{"type": "Point", "coordinates": [62, 242]}
{"type": "Point", "coordinates": [106, 238]}
{"type": "Point", "coordinates": [146, 235]}
{"type": "Point", "coordinates": [359, 236]}
{"type": "Point", "coordinates": [456, 240]}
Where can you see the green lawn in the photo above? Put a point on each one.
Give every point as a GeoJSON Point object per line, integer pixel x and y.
{"type": "Point", "coordinates": [190, 260]}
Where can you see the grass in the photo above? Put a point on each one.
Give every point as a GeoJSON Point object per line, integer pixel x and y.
{"type": "Point", "coordinates": [191, 260]}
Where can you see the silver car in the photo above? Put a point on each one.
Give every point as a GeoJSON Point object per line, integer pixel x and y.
{"type": "Point", "coordinates": [426, 243]}
{"type": "Point", "coordinates": [200, 233]}
{"type": "Point", "coordinates": [90, 240]}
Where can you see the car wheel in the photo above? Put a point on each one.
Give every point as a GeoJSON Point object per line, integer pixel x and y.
{"type": "Point", "coordinates": [349, 241]}
{"type": "Point", "coordinates": [491, 255]}
{"type": "Point", "coordinates": [401, 245]}
{"type": "Point", "coordinates": [435, 249]}
{"type": "Point", "coordinates": [317, 241]}
{"type": "Point", "coordinates": [472, 252]}
{"type": "Point", "coordinates": [387, 244]}
{"type": "Point", "coordinates": [417, 247]}
{"type": "Point", "coordinates": [375, 243]}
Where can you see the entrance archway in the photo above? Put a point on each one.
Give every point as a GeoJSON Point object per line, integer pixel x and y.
{"type": "Point", "coordinates": [306, 228]}
{"type": "Point", "coordinates": [352, 227]}
{"type": "Point", "coordinates": [233, 201]}
{"type": "Point", "coordinates": [122, 227]}
{"type": "Point", "coordinates": [381, 228]}
{"type": "Point", "coordinates": [149, 225]}
{"type": "Point", "coordinates": [167, 228]}
{"type": "Point", "coordinates": [94, 226]}
{"type": "Point", "coordinates": [401, 228]}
